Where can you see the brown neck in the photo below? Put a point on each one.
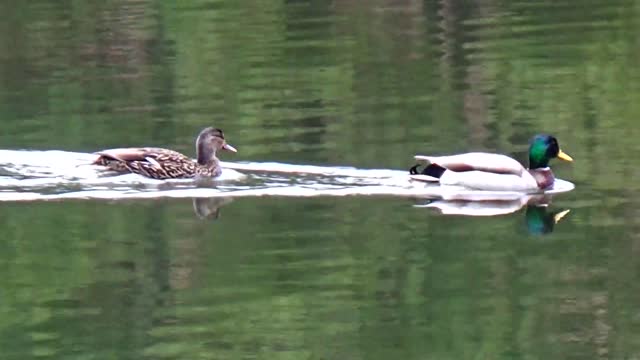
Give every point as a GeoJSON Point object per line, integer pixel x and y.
{"type": "Point", "coordinates": [206, 155]}
{"type": "Point", "coordinates": [544, 177]}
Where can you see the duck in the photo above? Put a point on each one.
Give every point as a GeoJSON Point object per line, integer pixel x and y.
{"type": "Point", "coordinates": [494, 172]}
{"type": "Point", "coordinates": [163, 164]}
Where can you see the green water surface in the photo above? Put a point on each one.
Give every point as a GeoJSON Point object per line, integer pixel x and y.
{"type": "Point", "coordinates": [333, 83]}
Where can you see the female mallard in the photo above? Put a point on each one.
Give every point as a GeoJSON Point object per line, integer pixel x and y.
{"type": "Point", "coordinates": [160, 163]}
{"type": "Point", "coordinates": [484, 171]}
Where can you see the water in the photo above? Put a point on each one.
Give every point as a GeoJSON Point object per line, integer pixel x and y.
{"type": "Point", "coordinates": [322, 100]}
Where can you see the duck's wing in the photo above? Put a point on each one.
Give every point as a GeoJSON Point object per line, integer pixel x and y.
{"type": "Point", "coordinates": [487, 162]}
{"type": "Point", "coordinates": [140, 154]}
{"type": "Point", "coordinates": [151, 162]}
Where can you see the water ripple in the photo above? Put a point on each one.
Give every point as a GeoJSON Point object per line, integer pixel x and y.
{"type": "Point", "coordinates": [56, 175]}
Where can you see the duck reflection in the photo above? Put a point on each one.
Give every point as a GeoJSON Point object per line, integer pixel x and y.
{"type": "Point", "coordinates": [209, 208]}
{"type": "Point", "coordinates": [539, 217]}
{"type": "Point", "coordinates": [541, 221]}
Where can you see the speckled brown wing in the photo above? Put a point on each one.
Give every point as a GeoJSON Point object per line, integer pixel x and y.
{"type": "Point", "coordinates": [155, 163]}
{"type": "Point", "coordinates": [174, 164]}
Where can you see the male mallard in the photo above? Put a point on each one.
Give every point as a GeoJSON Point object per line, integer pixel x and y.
{"type": "Point", "coordinates": [161, 163]}
{"type": "Point", "coordinates": [495, 172]}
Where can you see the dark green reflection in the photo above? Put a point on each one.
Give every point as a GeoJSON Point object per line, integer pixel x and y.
{"type": "Point", "coordinates": [277, 277]}
{"type": "Point", "coordinates": [540, 220]}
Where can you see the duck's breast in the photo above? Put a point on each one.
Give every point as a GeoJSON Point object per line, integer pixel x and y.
{"type": "Point", "coordinates": [543, 177]}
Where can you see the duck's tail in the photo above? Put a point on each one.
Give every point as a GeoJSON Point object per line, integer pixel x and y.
{"type": "Point", "coordinates": [98, 161]}
{"type": "Point", "coordinates": [433, 170]}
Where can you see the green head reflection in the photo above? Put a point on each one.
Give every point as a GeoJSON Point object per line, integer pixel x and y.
{"type": "Point", "coordinates": [540, 221]}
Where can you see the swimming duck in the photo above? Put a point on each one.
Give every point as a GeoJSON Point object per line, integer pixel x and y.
{"type": "Point", "coordinates": [494, 172]}
{"type": "Point", "coordinates": [158, 163]}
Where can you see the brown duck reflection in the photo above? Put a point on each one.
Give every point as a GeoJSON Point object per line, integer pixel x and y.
{"type": "Point", "coordinates": [209, 208]}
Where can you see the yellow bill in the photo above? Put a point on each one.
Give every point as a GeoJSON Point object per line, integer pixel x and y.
{"type": "Point", "coordinates": [564, 156]}
{"type": "Point", "coordinates": [557, 217]}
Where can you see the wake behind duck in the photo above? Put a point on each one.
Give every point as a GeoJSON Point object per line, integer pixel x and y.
{"type": "Point", "coordinates": [154, 172]}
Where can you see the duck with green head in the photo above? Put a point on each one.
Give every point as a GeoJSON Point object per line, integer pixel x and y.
{"type": "Point", "coordinates": [494, 172]}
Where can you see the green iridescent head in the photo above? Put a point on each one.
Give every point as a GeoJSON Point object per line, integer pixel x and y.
{"type": "Point", "coordinates": [544, 148]}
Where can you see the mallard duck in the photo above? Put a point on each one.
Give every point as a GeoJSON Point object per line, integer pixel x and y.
{"type": "Point", "coordinates": [158, 163]}
{"type": "Point", "coordinates": [494, 172]}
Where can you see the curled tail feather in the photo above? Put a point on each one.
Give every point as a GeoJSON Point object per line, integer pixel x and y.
{"type": "Point", "coordinates": [433, 170]}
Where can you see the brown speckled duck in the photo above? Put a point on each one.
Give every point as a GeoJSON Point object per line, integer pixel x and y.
{"type": "Point", "coordinates": [158, 163]}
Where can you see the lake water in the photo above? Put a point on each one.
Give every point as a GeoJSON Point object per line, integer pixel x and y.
{"type": "Point", "coordinates": [344, 93]}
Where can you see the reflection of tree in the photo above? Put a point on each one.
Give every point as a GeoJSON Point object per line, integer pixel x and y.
{"type": "Point", "coordinates": [152, 276]}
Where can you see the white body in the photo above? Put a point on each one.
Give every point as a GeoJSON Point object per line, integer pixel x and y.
{"type": "Point", "coordinates": [481, 171]}
{"type": "Point", "coordinates": [483, 180]}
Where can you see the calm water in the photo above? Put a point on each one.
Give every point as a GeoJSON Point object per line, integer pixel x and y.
{"type": "Point", "coordinates": [343, 83]}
